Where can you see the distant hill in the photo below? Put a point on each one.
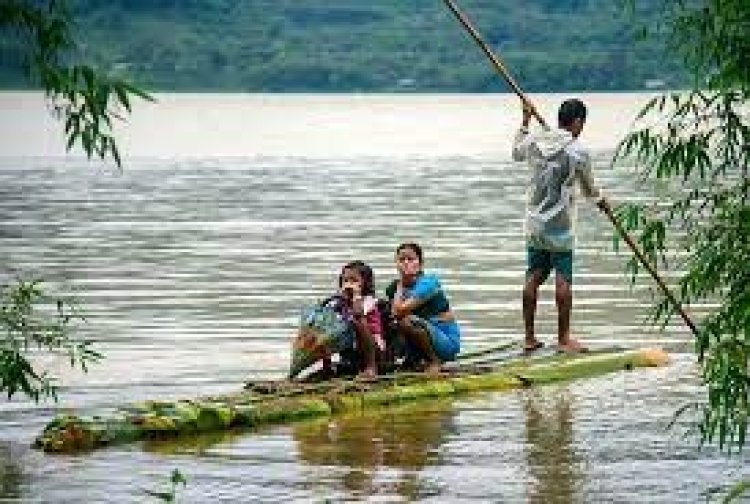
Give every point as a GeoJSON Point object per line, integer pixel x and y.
{"type": "Point", "coordinates": [364, 45]}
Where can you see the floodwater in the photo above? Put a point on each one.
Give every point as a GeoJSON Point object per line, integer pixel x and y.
{"type": "Point", "coordinates": [232, 211]}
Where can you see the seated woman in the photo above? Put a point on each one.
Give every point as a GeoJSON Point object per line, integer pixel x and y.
{"type": "Point", "coordinates": [422, 311]}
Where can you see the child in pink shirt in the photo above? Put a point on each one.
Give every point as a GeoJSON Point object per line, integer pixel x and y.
{"type": "Point", "coordinates": [356, 302]}
{"type": "Point", "coordinates": [348, 323]}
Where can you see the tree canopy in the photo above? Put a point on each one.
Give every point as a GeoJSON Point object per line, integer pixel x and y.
{"type": "Point", "coordinates": [693, 150]}
{"type": "Point", "coordinates": [42, 45]}
{"type": "Point", "coordinates": [351, 45]}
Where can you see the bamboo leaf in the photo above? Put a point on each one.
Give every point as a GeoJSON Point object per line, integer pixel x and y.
{"type": "Point", "coordinates": [122, 96]}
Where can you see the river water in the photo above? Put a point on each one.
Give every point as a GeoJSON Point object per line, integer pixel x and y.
{"type": "Point", "coordinates": [232, 211]}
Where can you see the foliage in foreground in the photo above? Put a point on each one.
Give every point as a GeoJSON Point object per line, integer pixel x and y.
{"type": "Point", "coordinates": [87, 102]}
{"type": "Point", "coordinates": [30, 322]}
{"type": "Point", "coordinates": [83, 98]}
{"type": "Point", "coordinates": [175, 479]}
{"type": "Point", "coordinates": [694, 151]}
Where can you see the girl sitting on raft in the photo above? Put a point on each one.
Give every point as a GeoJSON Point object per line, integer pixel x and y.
{"type": "Point", "coordinates": [348, 322]}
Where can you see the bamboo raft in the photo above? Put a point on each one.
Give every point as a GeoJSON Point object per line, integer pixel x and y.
{"type": "Point", "coordinates": [271, 402]}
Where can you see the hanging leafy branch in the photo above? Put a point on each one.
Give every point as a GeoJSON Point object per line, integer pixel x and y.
{"type": "Point", "coordinates": [693, 149]}
{"type": "Point", "coordinates": [84, 99]}
{"type": "Point", "coordinates": [31, 322]}
{"type": "Point", "coordinates": [88, 103]}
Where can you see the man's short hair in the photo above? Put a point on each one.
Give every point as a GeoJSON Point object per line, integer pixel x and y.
{"type": "Point", "coordinates": [571, 110]}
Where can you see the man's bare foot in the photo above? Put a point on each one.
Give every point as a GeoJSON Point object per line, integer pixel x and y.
{"type": "Point", "coordinates": [532, 344]}
{"type": "Point", "coordinates": [367, 374]}
{"type": "Point", "coordinates": [433, 369]}
{"type": "Point", "coordinates": [571, 346]}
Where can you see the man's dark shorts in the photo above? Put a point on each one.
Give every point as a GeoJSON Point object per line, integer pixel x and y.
{"type": "Point", "coordinates": [545, 260]}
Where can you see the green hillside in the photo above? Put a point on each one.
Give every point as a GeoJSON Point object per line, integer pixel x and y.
{"type": "Point", "coordinates": [363, 45]}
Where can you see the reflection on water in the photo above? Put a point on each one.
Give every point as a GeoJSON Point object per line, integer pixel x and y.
{"type": "Point", "coordinates": [194, 444]}
{"type": "Point", "coordinates": [406, 439]}
{"type": "Point", "coordinates": [554, 468]}
{"type": "Point", "coordinates": [11, 475]}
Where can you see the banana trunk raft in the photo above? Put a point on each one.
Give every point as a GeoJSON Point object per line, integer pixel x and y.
{"type": "Point", "coordinates": [263, 403]}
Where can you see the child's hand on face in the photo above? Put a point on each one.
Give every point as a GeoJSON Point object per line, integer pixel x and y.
{"type": "Point", "coordinates": [358, 306]}
{"type": "Point", "coordinates": [351, 290]}
{"type": "Point", "coordinates": [353, 294]}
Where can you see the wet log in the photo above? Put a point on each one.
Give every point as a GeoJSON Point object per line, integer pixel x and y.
{"type": "Point", "coordinates": [263, 403]}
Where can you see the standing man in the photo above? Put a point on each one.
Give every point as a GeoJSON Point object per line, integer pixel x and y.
{"type": "Point", "coordinates": [556, 161]}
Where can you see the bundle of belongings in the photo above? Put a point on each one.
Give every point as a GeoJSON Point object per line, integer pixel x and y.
{"type": "Point", "coordinates": [326, 330]}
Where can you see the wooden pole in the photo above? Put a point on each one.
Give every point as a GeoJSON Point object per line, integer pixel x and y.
{"type": "Point", "coordinates": [499, 66]}
{"type": "Point", "coordinates": [604, 205]}
{"type": "Point", "coordinates": [607, 210]}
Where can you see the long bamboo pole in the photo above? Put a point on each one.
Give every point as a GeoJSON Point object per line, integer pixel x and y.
{"type": "Point", "coordinates": [607, 210]}
{"type": "Point", "coordinates": [497, 63]}
{"type": "Point", "coordinates": [604, 205]}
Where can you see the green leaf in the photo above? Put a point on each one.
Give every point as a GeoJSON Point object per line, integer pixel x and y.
{"type": "Point", "coordinates": [177, 477]}
{"type": "Point", "coordinates": [737, 491]}
{"type": "Point", "coordinates": [72, 139]}
{"type": "Point", "coordinates": [20, 320]}
{"type": "Point", "coordinates": [140, 93]}
{"type": "Point", "coordinates": [115, 154]}
{"type": "Point", "coordinates": [122, 96]}
{"type": "Point", "coordinates": [89, 77]}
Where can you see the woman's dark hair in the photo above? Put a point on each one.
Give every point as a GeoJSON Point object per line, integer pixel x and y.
{"type": "Point", "coordinates": [571, 110]}
{"type": "Point", "coordinates": [368, 281]}
{"type": "Point", "coordinates": [416, 248]}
